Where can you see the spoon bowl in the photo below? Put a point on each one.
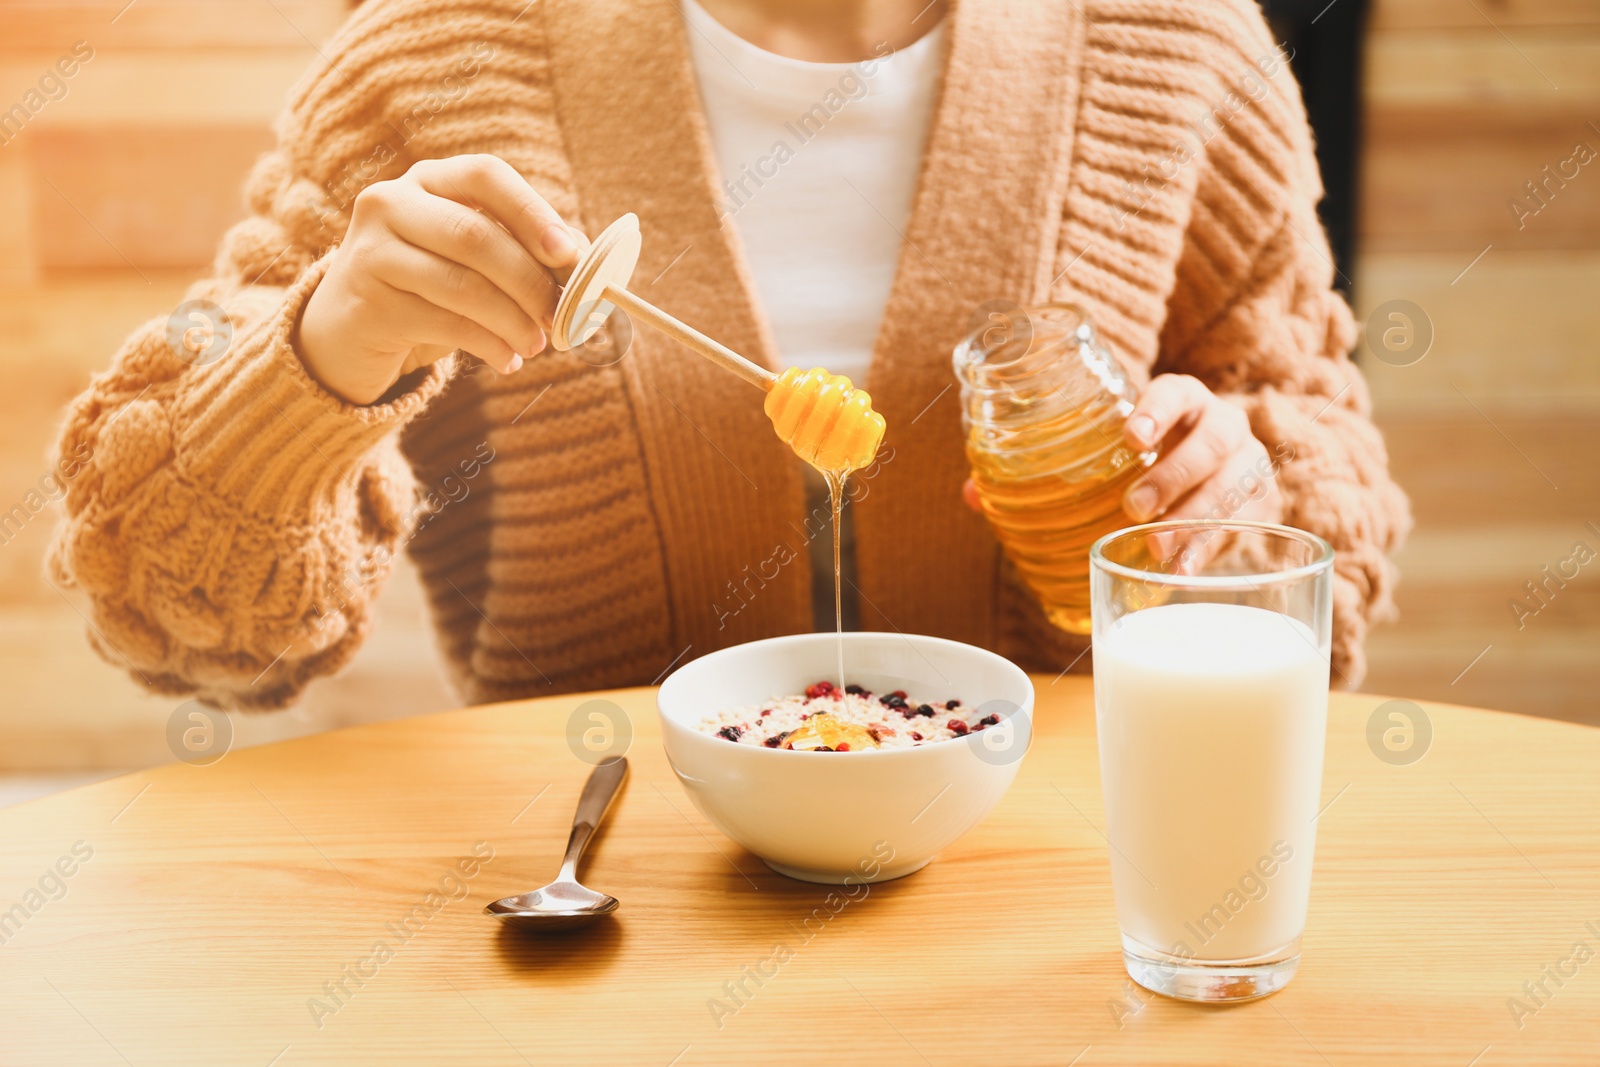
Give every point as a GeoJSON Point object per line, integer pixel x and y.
{"type": "Point", "coordinates": [565, 902]}
{"type": "Point", "coordinates": [556, 906]}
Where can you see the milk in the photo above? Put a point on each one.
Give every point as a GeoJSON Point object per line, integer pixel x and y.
{"type": "Point", "coordinates": [1211, 720]}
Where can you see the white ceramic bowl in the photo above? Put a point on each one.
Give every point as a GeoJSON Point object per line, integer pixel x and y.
{"type": "Point", "coordinates": [846, 817]}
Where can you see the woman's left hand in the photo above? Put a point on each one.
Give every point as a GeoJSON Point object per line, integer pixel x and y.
{"type": "Point", "coordinates": [1212, 464]}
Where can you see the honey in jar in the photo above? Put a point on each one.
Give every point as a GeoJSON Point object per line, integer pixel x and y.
{"type": "Point", "coordinates": [1043, 407]}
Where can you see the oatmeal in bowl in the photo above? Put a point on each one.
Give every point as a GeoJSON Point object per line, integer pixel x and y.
{"type": "Point", "coordinates": [851, 718]}
{"type": "Point", "coordinates": [855, 782]}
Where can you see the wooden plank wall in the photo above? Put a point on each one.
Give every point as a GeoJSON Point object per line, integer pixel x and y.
{"type": "Point", "coordinates": [113, 194]}
{"type": "Point", "coordinates": [1495, 431]}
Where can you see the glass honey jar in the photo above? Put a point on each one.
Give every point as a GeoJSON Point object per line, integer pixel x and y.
{"type": "Point", "coordinates": [1043, 406]}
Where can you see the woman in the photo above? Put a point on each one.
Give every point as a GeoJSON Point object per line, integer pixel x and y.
{"type": "Point", "coordinates": [802, 172]}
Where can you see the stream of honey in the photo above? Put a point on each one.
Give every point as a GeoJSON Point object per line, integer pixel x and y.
{"type": "Point", "coordinates": [824, 732]}
{"type": "Point", "coordinates": [836, 480]}
{"type": "Point", "coordinates": [831, 425]}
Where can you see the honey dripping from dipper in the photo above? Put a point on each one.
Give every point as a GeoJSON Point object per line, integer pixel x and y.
{"type": "Point", "coordinates": [828, 422]}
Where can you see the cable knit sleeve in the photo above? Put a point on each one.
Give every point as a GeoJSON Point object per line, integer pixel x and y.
{"type": "Point", "coordinates": [229, 520]}
{"type": "Point", "coordinates": [1254, 315]}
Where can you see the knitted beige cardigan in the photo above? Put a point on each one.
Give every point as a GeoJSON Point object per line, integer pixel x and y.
{"type": "Point", "coordinates": [592, 520]}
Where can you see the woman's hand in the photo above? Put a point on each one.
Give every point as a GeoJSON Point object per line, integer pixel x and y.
{"type": "Point", "coordinates": [1212, 465]}
{"type": "Point", "coordinates": [455, 253]}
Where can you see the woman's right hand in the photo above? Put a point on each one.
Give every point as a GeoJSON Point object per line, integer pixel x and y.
{"type": "Point", "coordinates": [454, 254]}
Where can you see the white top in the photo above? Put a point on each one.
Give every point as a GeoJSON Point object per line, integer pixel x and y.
{"type": "Point", "coordinates": [819, 163]}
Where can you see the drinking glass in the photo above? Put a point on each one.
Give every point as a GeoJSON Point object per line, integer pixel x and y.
{"type": "Point", "coordinates": [1211, 643]}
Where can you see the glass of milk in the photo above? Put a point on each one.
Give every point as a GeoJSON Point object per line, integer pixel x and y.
{"type": "Point", "coordinates": [1211, 699]}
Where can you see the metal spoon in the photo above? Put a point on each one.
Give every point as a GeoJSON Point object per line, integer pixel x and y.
{"type": "Point", "coordinates": [564, 902]}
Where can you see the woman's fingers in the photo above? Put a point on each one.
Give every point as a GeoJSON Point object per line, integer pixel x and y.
{"type": "Point", "coordinates": [455, 253]}
{"type": "Point", "coordinates": [1242, 488]}
{"type": "Point", "coordinates": [459, 291]}
{"type": "Point", "coordinates": [492, 185]}
{"type": "Point", "coordinates": [1168, 403]}
{"type": "Point", "coordinates": [1236, 490]}
{"type": "Point", "coordinates": [472, 239]}
{"type": "Point", "coordinates": [438, 332]}
{"type": "Point", "coordinates": [1218, 432]}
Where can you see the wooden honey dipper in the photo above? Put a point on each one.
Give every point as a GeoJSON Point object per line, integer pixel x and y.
{"type": "Point", "coordinates": [826, 420]}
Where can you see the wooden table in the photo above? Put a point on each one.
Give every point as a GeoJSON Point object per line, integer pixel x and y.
{"type": "Point", "coordinates": [222, 904]}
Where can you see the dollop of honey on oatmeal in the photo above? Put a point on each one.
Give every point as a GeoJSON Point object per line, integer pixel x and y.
{"type": "Point", "coordinates": [826, 733]}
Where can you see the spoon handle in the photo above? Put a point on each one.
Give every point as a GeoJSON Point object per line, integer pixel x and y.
{"type": "Point", "coordinates": [598, 792]}
{"type": "Point", "coordinates": [691, 338]}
